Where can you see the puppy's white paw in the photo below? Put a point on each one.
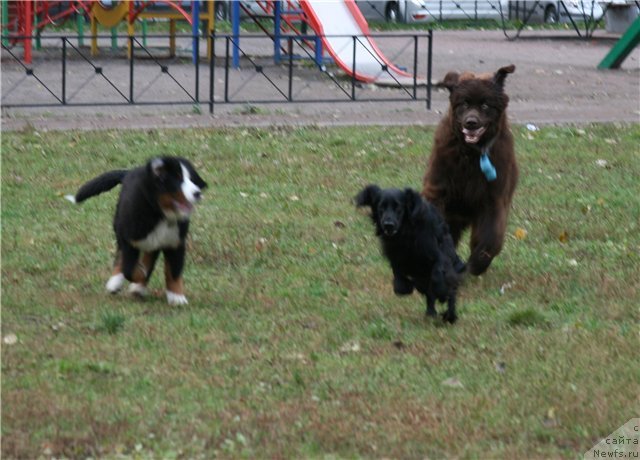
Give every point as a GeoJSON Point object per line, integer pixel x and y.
{"type": "Point", "coordinates": [138, 290]}
{"type": "Point", "coordinates": [70, 198]}
{"type": "Point", "coordinates": [176, 299]}
{"type": "Point", "coordinates": [115, 283]}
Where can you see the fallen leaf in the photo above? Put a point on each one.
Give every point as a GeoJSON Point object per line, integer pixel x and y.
{"type": "Point", "coordinates": [501, 367]}
{"type": "Point", "coordinates": [260, 244]}
{"type": "Point", "coordinates": [10, 339]}
{"type": "Point", "coordinates": [563, 237]}
{"type": "Point", "coordinates": [350, 347]}
{"type": "Point", "coordinates": [294, 198]}
{"type": "Point", "coordinates": [550, 419]}
{"type": "Point", "coordinates": [506, 286]}
{"type": "Point", "coordinates": [573, 262]}
{"type": "Point", "coordinates": [296, 357]}
{"type": "Point", "coordinates": [602, 163]}
{"type": "Point", "coordinates": [520, 233]}
{"type": "Point", "coordinates": [452, 382]}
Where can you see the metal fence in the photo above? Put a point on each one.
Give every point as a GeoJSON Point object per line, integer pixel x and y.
{"type": "Point", "coordinates": [63, 73]}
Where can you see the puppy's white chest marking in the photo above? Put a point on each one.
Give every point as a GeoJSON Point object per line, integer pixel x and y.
{"type": "Point", "coordinates": [165, 235]}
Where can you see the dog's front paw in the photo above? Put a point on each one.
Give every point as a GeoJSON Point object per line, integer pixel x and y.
{"type": "Point", "coordinates": [176, 299]}
{"type": "Point", "coordinates": [402, 286]}
{"type": "Point", "coordinates": [449, 317]}
{"type": "Point", "coordinates": [459, 265]}
{"type": "Point", "coordinates": [138, 290]}
{"type": "Point", "coordinates": [115, 283]}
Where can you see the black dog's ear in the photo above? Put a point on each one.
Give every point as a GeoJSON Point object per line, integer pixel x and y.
{"type": "Point", "coordinates": [501, 75]}
{"type": "Point", "coordinates": [368, 196]}
{"type": "Point", "coordinates": [158, 168]}
{"type": "Point", "coordinates": [199, 181]}
{"type": "Point", "coordinates": [413, 203]}
{"type": "Point", "coordinates": [195, 177]}
{"type": "Point", "coordinates": [450, 81]}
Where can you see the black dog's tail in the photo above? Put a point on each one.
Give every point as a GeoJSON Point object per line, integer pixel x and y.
{"type": "Point", "coordinates": [96, 186]}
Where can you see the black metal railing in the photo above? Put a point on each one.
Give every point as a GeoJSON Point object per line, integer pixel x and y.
{"type": "Point", "coordinates": [63, 73]}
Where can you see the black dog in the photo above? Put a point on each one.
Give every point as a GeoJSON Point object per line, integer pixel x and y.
{"type": "Point", "coordinates": [152, 215]}
{"type": "Point", "coordinates": [416, 241]}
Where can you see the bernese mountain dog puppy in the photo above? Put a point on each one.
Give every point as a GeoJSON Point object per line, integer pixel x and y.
{"type": "Point", "coordinates": [152, 216]}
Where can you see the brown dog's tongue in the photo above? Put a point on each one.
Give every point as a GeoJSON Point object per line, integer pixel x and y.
{"type": "Point", "coordinates": [472, 136]}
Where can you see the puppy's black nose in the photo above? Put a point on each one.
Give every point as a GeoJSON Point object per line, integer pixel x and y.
{"type": "Point", "coordinates": [472, 123]}
{"type": "Point", "coordinates": [388, 227]}
{"type": "Point", "coordinates": [197, 195]}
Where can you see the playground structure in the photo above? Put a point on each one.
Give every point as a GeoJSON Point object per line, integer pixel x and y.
{"type": "Point", "coordinates": [339, 28]}
{"type": "Point", "coordinates": [193, 12]}
{"type": "Point", "coordinates": [623, 47]}
{"type": "Point", "coordinates": [23, 21]}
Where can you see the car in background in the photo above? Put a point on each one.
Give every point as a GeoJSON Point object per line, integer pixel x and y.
{"type": "Point", "coordinates": [394, 11]}
{"type": "Point", "coordinates": [406, 11]}
{"type": "Point", "coordinates": [223, 9]}
{"type": "Point", "coordinates": [428, 10]}
{"type": "Point", "coordinates": [552, 11]}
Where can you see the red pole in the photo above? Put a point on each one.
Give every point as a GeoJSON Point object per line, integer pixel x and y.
{"type": "Point", "coordinates": [28, 29]}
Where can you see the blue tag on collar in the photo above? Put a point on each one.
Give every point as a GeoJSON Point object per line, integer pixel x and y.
{"type": "Point", "coordinates": [487, 167]}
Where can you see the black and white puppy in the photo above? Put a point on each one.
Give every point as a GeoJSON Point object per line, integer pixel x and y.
{"type": "Point", "coordinates": [152, 216]}
{"type": "Point", "coordinates": [417, 243]}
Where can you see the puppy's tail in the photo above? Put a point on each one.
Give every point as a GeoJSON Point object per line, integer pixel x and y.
{"type": "Point", "coordinates": [96, 186]}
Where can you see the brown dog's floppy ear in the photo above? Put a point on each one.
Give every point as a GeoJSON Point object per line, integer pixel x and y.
{"type": "Point", "coordinates": [450, 81]}
{"type": "Point", "coordinates": [368, 196]}
{"type": "Point", "coordinates": [501, 74]}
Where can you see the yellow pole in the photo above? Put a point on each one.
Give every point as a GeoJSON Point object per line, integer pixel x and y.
{"type": "Point", "coordinates": [131, 30]}
{"type": "Point", "coordinates": [211, 22]}
{"type": "Point", "coordinates": [172, 37]}
{"type": "Point", "coordinates": [94, 33]}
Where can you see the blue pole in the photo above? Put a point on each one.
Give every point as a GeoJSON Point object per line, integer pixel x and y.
{"type": "Point", "coordinates": [276, 31]}
{"type": "Point", "coordinates": [235, 30]}
{"type": "Point", "coordinates": [318, 49]}
{"type": "Point", "coordinates": [195, 23]}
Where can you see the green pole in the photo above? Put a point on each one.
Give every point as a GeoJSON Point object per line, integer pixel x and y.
{"type": "Point", "coordinates": [144, 31]}
{"type": "Point", "coordinates": [114, 38]}
{"type": "Point", "coordinates": [622, 47]}
{"type": "Point", "coordinates": [5, 22]}
{"type": "Point", "coordinates": [80, 27]}
{"type": "Point", "coordinates": [35, 27]}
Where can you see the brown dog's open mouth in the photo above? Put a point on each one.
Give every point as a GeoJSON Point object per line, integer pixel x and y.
{"type": "Point", "coordinates": [472, 136]}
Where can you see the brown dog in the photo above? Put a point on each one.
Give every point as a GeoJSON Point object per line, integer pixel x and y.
{"type": "Point", "coordinates": [472, 172]}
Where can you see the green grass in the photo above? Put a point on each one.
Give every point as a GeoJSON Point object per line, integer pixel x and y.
{"type": "Point", "coordinates": [293, 344]}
